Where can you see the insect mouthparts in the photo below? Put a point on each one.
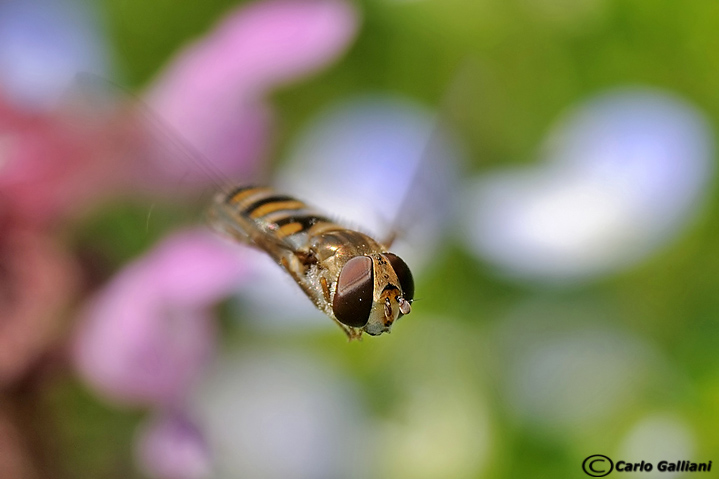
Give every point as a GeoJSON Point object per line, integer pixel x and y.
{"type": "Point", "coordinates": [387, 309]}
{"type": "Point", "coordinates": [404, 305]}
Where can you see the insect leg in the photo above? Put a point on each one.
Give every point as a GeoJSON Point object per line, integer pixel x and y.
{"type": "Point", "coordinates": [296, 269]}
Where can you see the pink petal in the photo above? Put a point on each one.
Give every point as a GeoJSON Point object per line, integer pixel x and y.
{"type": "Point", "coordinates": [257, 47]}
{"type": "Point", "coordinates": [195, 267]}
{"type": "Point", "coordinates": [147, 336]}
{"type": "Point", "coordinates": [275, 42]}
{"type": "Point", "coordinates": [172, 447]}
{"type": "Point", "coordinates": [212, 93]}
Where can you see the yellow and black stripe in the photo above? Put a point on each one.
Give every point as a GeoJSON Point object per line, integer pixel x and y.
{"type": "Point", "coordinates": [283, 215]}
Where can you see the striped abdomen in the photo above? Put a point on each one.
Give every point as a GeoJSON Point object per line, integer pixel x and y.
{"type": "Point", "coordinates": [252, 210]}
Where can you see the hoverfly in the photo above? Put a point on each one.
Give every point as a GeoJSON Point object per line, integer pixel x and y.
{"type": "Point", "coordinates": [349, 276]}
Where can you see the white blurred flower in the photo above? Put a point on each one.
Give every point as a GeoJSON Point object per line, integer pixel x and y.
{"type": "Point", "coordinates": [43, 45]}
{"type": "Point", "coordinates": [659, 437]}
{"type": "Point", "coordinates": [439, 420]}
{"type": "Point", "coordinates": [564, 374]}
{"type": "Point", "coordinates": [378, 163]}
{"type": "Point", "coordinates": [441, 431]}
{"type": "Point", "coordinates": [624, 175]}
{"type": "Point", "coordinates": [279, 415]}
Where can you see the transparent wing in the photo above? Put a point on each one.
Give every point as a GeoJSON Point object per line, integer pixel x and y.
{"type": "Point", "coordinates": [158, 159]}
{"type": "Point", "coordinates": [432, 186]}
{"type": "Point", "coordinates": [384, 163]}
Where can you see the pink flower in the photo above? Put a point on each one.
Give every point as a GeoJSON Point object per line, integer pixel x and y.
{"type": "Point", "coordinates": [48, 172]}
{"type": "Point", "coordinates": [147, 336]}
{"type": "Point", "coordinates": [172, 446]}
{"type": "Point", "coordinates": [213, 93]}
{"type": "Point", "coordinates": [52, 165]}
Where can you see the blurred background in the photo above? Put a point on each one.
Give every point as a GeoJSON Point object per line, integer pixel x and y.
{"type": "Point", "coordinates": [549, 166]}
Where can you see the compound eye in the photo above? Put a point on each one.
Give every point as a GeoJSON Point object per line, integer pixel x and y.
{"type": "Point", "coordinates": [406, 282]}
{"type": "Point", "coordinates": [353, 297]}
